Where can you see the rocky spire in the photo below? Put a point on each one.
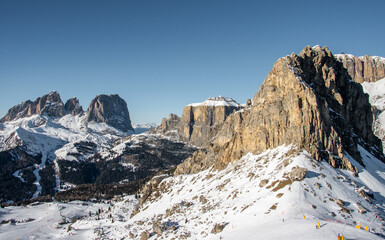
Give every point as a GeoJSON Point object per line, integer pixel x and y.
{"type": "Point", "coordinates": [110, 109]}
{"type": "Point", "coordinates": [306, 100]}
{"type": "Point", "coordinates": [73, 107]}
{"type": "Point", "coordinates": [50, 104]}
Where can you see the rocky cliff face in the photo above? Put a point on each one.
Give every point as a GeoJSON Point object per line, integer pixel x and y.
{"type": "Point", "coordinates": [50, 104]}
{"type": "Point", "coordinates": [110, 109]}
{"type": "Point", "coordinates": [368, 71]}
{"type": "Point", "coordinates": [73, 107]}
{"type": "Point", "coordinates": [306, 100]}
{"type": "Point", "coordinates": [169, 127]}
{"type": "Point", "coordinates": [364, 68]}
{"type": "Point", "coordinates": [200, 121]}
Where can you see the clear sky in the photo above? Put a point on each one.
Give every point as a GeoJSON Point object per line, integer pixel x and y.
{"type": "Point", "coordinates": [160, 55]}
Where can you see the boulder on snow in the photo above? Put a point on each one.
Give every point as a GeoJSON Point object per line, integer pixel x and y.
{"type": "Point", "coordinates": [218, 227]}
{"type": "Point", "coordinates": [297, 173]}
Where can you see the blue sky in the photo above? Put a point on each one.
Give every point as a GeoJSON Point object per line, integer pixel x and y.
{"type": "Point", "coordinates": [161, 55]}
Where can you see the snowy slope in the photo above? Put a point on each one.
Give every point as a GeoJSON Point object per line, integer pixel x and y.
{"type": "Point", "coordinates": [258, 197]}
{"type": "Point", "coordinates": [46, 220]}
{"type": "Point", "coordinates": [254, 196]}
{"type": "Point", "coordinates": [376, 92]}
{"type": "Point", "coordinates": [56, 138]}
{"type": "Point", "coordinates": [251, 199]}
{"type": "Point", "coordinates": [32, 132]}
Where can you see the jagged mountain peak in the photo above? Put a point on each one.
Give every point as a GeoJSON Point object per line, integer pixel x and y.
{"type": "Point", "coordinates": [73, 107]}
{"type": "Point", "coordinates": [307, 100]}
{"type": "Point", "coordinates": [50, 104]}
{"type": "Point", "coordinates": [110, 109]}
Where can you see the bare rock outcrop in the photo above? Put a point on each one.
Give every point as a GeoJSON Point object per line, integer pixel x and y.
{"type": "Point", "coordinates": [73, 107]}
{"type": "Point", "coordinates": [363, 69]}
{"type": "Point", "coordinates": [200, 121]}
{"type": "Point", "coordinates": [110, 109]}
{"type": "Point", "coordinates": [368, 71]}
{"type": "Point", "coordinates": [50, 104]}
{"type": "Point", "coordinates": [169, 127]}
{"type": "Point", "coordinates": [307, 100]}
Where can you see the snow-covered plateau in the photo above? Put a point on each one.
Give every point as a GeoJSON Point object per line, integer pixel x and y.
{"type": "Point", "coordinates": [217, 102]}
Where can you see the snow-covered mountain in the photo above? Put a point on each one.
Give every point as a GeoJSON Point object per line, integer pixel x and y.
{"type": "Point", "coordinates": [143, 127]}
{"type": "Point", "coordinates": [217, 102]}
{"type": "Point", "coordinates": [281, 188]}
{"type": "Point", "coordinates": [69, 147]}
{"type": "Point", "coordinates": [303, 155]}
{"type": "Point", "coordinates": [51, 131]}
{"type": "Point", "coordinates": [301, 161]}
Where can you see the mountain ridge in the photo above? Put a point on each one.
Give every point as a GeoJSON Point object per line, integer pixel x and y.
{"type": "Point", "coordinates": [306, 99]}
{"type": "Point", "coordinates": [109, 109]}
{"type": "Point", "coordinates": [301, 153]}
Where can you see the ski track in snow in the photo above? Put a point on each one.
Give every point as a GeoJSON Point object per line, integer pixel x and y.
{"type": "Point", "coordinates": [37, 175]}
{"type": "Point", "coordinates": [17, 174]}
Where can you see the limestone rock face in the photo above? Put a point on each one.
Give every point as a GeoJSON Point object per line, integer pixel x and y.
{"type": "Point", "coordinates": [50, 104]}
{"type": "Point", "coordinates": [368, 71]}
{"type": "Point", "coordinates": [73, 107]}
{"type": "Point", "coordinates": [168, 127]}
{"type": "Point", "coordinates": [364, 68]}
{"type": "Point", "coordinates": [110, 109]}
{"type": "Point", "coordinates": [200, 121]}
{"type": "Point", "coordinates": [306, 100]}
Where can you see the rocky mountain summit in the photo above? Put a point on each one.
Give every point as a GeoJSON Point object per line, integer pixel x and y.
{"type": "Point", "coordinates": [200, 121]}
{"type": "Point", "coordinates": [50, 104]}
{"type": "Point", "coordinates": [110, 109]}
{"type": "Point", "coordinates": [307, 100]}
{"type": "Point", "coordinates": [73, 107]}
{"type": "Point", "coordinates": [363, 69]}
{"type": "Point", "coordinates": [57, 133]}
{"type": "Point", "coordinates": [301, 153]}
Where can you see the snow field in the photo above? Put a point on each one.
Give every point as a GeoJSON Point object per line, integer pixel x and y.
{"type": "Point", "coordinates": [236, 199]}
{"type": "Point", "coordinates": [253, 198]}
